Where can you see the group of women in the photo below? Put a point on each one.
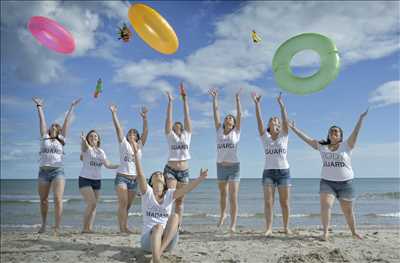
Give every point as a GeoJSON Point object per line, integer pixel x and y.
{"type": "Point", "coordinates": [168, 188]}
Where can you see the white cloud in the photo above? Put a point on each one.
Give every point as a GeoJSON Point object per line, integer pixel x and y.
{"type": "Point", "coordinates": [386, 94]}
{"type": "Point", "coordinates": [361, 31]}
{"type": "Point", "coordinates": [12, 101]}
{"type": "Point", "coordinates": [34, 63]}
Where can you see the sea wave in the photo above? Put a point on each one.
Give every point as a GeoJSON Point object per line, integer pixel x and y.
{"type": "Point", "coordinates": [396, 214]}
{"type": "Point", "coordinates": [385, 195]}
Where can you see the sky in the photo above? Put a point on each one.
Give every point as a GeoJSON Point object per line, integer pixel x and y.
{"type": "Point", "coordinates": [215, 51]}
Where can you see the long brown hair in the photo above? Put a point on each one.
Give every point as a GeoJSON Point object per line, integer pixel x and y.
{"type": "Point", "coordinates": [165, 181]}
{"type": "Point", "coordinates": [328, 141]}
{"type": "Point", "coordinates": [58, 129]}
{"type": "Point", "coordinates": [98, 136]}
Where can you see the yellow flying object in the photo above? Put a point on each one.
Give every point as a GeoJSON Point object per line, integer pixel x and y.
{"type": "Point", "coordinates": [256, 38]}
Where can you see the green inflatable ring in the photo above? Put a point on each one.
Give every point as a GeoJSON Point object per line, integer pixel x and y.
{"type": "Point", "coordinates": [329, 61]}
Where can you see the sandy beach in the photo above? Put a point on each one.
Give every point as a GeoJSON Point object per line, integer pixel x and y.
{"type": "Point", "coordinates": [205, 244]}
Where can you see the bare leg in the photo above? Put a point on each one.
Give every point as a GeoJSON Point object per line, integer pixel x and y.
{"type": "Point", "coordinates": [223, 190]}
{"type": "Point", "coordinates": [90, 200]}
{"type": "Point", "coordinates": [58, 188]}
{"type": "Point", "coordinates": [284, 195]}
{"type": "Point", "coordinates": [122, 193]}
{"type": "Point", "coordinates": [233, 201]}
{"type": "Point", "coordinates": [179, 203]}
{"type": "Point", "coordinates": [269, 198]}
{"type": "Point", "coordinates": [347, 208]}
{"type": "Point", "coordinates": [131, 198]}
{"type": "Point", "coordinates": [326, 201]}
{"type": "Point", "coordinates": [97, 195]}
{"type": "Point", "coordinates": [156, 236]}
{"type": "Point", "coordinates": [169, 232]}
{"type": "Point", "coordinates": [43, 189]}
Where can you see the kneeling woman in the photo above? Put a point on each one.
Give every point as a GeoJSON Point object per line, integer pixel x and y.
{"type": "Point", "coordinates": [160, 228]}
{"type": "Point", "coordinates": [93, 158]}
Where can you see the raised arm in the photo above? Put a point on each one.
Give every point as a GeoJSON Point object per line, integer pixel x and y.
{"type": "Point", "coordinates": [313, 143]}
{"type": "Point", "coordinates": [217, 118]}
{"type": "Point", "coordinates": [42, 120]}
{"type": "Point", "coordinates": [284, 115]}
{"type": "Point", "coordinates": [84, 144]}
{"type": "Point", "coordinates": [67, 120]}
{"type": "Point", "coordinates": [192, 185]}
{"type": "Point", "coordinates": [187, 121]}
{"type": "Point", "coordinates": [260, 122]}
{"type": "Point", "coordinates": [145, 132]}
{"type": "Point", "coordinates": [238, 110]}
{"type": "Point", "coordinates": [139, 171]}
{"type": "Point", "coordinates": [168, 120]}
{"type": "Point", "coordinates": [117, 125]}
{"type": "Point", "coordinates": [351, 141]}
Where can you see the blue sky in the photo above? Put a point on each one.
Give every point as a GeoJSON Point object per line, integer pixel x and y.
{"type": "Point", "coordinates": [215, 51]}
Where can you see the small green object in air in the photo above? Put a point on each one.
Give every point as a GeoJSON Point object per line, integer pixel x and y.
{"type": "Point", "coordinates": [329, 61]}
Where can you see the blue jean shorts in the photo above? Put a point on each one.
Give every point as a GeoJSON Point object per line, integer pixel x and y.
{"type": "Point", "coordinates": [228, 172]}
{"type": "Point", "coordinates": [276, 177]}
{"type": "Point", "coordinates": [48, 174]}
{"type": "Point", "coordinates": [145, 241]}
{"type": "Point", "coordinates": [180, 176]}
{"type": "Point", "coordinates": [131, 184]}
{"type": "Point", "coordinates": [86, 182]}
{"type": "Point", "coordinates": [342, 190]}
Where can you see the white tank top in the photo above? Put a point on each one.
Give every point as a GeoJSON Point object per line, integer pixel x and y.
{"type": "Point", "coordinates": [93, 159]}
{"type": "Point", "coordinates": [275, 151]}
{"type": "Point", "coordinates": [179, 146]}
{"type": "Point", "coordinates": [336, 165]}
{"type": "Point", "coordinates": [51, 152]}
{"type": "Point", "coordinates": [127, 162]}
{"type": "Point", "coordinates": [227, 146]}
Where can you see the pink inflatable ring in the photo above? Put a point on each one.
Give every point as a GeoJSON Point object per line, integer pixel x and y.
{"type": "Point", "coordinates": [51, 34]}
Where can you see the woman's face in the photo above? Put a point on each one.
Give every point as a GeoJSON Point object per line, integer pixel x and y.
{"type": "Point", "coordinates": [93, 139]}
{"type": "Point", "coordinates": [53, 130]}
{"type": "Point", "coordinates": [177, 128]}
{"type": "Point", "coordinates": [229, 122]}
{"type": "Point", "coordinates": [274, 125]}
{"type": "Point", "coordinates": [158, 182]}
{"type": "Point", "coordinates": [132, 136]}
{"type": "Point", "coordinates": [335, 135]}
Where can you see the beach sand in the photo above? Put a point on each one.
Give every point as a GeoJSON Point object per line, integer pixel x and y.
{"type": "Point", "coordinates": [205, 244]}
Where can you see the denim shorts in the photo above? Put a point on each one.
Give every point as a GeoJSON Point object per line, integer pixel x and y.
{"type": "Point", "coordinates": [180, 176]}
{"type": "Point", "coordinates": [131, 184]}
{"type": "Point", "coordinates": [276, 177]}
{"type": "Point", "coordinates": [228, 172]}
{"type": "Point", "coordinates": [145, 241]}
{"type": "Point", "coordinates": [342, 190]}
{"type": "Point", "coordinates": [86, 182]}
{"type": "Point", "coordinates": [48, 174]}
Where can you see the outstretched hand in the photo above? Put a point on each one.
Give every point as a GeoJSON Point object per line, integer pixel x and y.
{"type": "Point", "coordinates": [143, 112]}
{"type": "Point", "coordinates": [256, 98]}
{"type": "Point", "coordinates": [279, 99]}
{"type": "Point", "coordinates": [38, 101]}
{"type": "Point", "coordinates": [213, 92]}
{"type": "Point", "coordinates": [75, 102]}
{"type": "Point", "coordinates": [238, 93]}
{"type": "Point", "coordinates": [182, 90]}
{"type": "Point", "coordinates": [113, 108]}
{"type": "Point", "coordinates": [203, 173]}
{"type": "Point", "coordinates": [291, 124]}
{"type": "Point", "coordinates": [170, 98]}
{"type": "Point", "coordinates": [364, 113]}
{"type": "Point", "coordinates": [83, 138]}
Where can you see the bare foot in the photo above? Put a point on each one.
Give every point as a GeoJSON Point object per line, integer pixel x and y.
{"type": "Point", "coordinates": [268, 233]}
{"type": "Point", "coordinates": [325, 237]}
{"type": "Point", "coordinates": [232, 229]}
{"type": "Point", "coordinates": [357, 236]}
{"type": "Point", "coordinates": [221, 220]}
{"type": "Point", "coordinates": [42, 230]}
{"type": "Point", "coordinates": [126, 231]}
{"type": "Point", "coordinates": [287, 231]}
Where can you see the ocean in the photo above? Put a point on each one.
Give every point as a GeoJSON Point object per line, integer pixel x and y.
{"type": "Point", "coordinates": [377, 203]}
